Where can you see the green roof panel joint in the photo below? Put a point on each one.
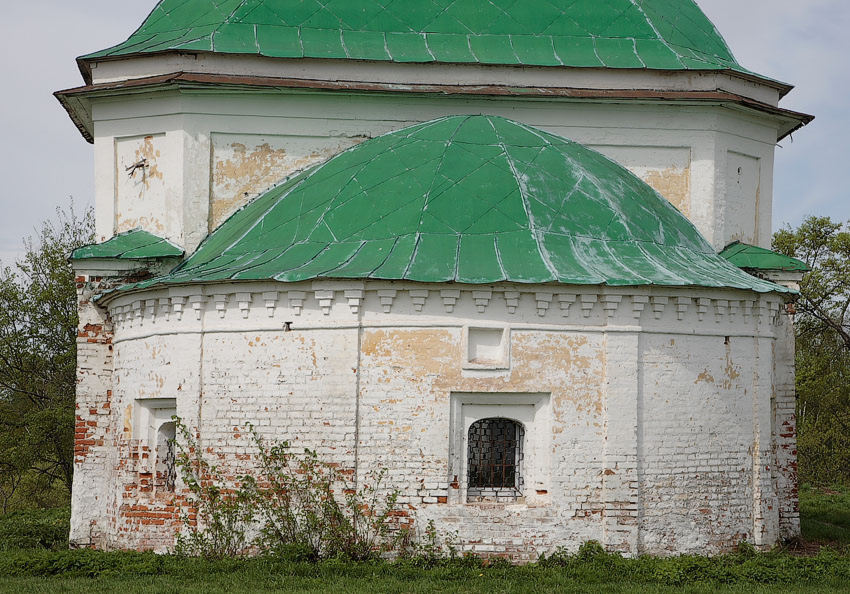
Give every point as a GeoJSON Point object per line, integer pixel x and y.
{"type": "Point", "coordinates": [466, 199]}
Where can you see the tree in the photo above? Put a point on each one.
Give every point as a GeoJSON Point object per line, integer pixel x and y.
{"type": "Point", "coordinates": [823, 347]}
{"type": "Point", "coordinates": [38, 329]}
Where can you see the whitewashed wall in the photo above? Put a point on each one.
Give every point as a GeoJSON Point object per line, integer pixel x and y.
{"type": "Point", "coordinates": [208, 153]}
{"type": "Point", "coordinates": [654, 405]}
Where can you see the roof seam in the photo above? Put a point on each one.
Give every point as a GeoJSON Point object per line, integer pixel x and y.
{"type": "Point", "coordinates": [522, 190]}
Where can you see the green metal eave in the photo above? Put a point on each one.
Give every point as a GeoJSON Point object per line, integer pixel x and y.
{"type": "Point", "coordinates": [753, 257]}
{"type": "Point", "coordinates": [467, 199]}
{"type": "Point", "coordinates": [132, 245]}
{"type": "Point", "coordinates": [653, 34]}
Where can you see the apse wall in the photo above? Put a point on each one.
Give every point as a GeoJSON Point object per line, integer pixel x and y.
{"type": "Point", "coordinates": [643, 408]}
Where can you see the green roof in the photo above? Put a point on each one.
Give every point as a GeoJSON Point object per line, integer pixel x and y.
{"type": "Point", "coordinates": [753, 257]}
{"type": "Point", "coordinates": [655, 34]}
{"type": "Point", "coordinates": [132, 245]}
{"type": "Point", "coordinates": [468, 199]}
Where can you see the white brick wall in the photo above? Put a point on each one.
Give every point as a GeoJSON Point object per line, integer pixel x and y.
{"type": "Point", "coordinates": [654, 421]}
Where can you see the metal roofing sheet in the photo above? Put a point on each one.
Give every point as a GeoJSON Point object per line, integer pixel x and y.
{"type": "Point", "coordinates": [469, 199]}
{"type": "Point", "coordinates": [753, 257]}
{"type": "Point", "coordinates": [132, 245]}
{"type": "Point", "coordinates": [656, 34]}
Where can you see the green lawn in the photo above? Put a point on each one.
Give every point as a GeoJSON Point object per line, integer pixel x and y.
{"type": "Point", "coordinates": [344, 584]}
{"type": "Point", "coordinates": [825, 515]}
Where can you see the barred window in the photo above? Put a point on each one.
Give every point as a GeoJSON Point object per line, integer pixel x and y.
{"type": "Point", "coordinates": [494, 460]}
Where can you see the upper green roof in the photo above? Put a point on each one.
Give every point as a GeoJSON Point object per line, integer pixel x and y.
{"type": "Point", "coordinates": [469, 199]}
{"type": "Point", "coordinates": [132, 245]}
{"type": "Point", "coordinates": [656, 34]}
{"type": "Point", "coordinates": [753, 257]}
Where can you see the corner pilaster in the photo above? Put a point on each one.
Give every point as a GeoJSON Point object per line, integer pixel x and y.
{"type": "Point", "coordinates": [620, 486]}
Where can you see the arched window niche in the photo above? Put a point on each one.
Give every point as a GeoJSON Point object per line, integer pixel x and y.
{"type": "Point", "coordinates": [155, 430]}
{"type": "Point", "coordinates": [500, 446]}
{"type": "Point", "coordinates": [495, 460]}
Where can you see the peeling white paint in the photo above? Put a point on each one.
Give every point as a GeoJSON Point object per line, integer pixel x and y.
{"type": "Point", "coordinates": [643, 447]}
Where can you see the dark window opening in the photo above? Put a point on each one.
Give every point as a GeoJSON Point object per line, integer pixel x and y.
{"type": "Point", "coordinates": [166, 457]}
{"type": "Point", "coordinates": [494, 460]}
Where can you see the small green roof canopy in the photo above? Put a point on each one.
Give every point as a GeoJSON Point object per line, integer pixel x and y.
{"type": "Point", "coordinates": [654, 34]}
{"type": "Point", "coordinates": [752, 257]}
{"type": "Point", "coordinates": [468, 199]}
{"type": "Point", "coordinates": [132, 245]}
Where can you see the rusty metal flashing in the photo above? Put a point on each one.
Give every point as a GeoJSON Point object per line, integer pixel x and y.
{"type": "Point", "coordinates": [79, 110]}
{"type": "Point", "coordinates": [74, 100]}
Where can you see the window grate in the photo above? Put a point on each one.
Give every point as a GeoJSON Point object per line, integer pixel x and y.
{"type": "Point", "coordinates": [170, 465]}
{"type": "Point", "coordinates": [494, 459]}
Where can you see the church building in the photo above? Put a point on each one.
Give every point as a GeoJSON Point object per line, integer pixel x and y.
{"type": "Point", "coordinates": [513, 252]}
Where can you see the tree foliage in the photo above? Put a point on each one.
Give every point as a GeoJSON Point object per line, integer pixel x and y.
{"type": "Point", "coordinates": [823, 347]}
{"type": "Point", "coordinates": [38, 329]}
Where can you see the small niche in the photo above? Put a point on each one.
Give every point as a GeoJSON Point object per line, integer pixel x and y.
{"type": "Point", "coordinates": [486, 348]}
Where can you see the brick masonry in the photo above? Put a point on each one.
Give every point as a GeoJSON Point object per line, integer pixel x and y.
{"type": "Point", "coordinates": [654, 429]}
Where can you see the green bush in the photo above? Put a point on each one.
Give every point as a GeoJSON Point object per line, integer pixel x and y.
{"type": "Point", "coordinates": [308, 505]}
{"type": "Point", "coordinates": [38, 529]}
{"type": "Point", "coordinates": [219, 515]}
{"type": "Point", "coordinates": [301, 507]}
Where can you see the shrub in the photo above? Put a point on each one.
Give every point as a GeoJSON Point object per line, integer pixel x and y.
{"type": "Point", "coordinates": [38, 529]}
{"type": "Point", "coordinates": [302, 507]}
{"type": "Point", "coordinates": [215, 525]}
{"type": "Point", "coordinates": [310, 508]}
{"type": "Point", "coordinates": [429, 548]}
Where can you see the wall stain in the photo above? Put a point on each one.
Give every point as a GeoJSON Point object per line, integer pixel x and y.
{"type": "Point", "coordinates": [150, 154]}
{"type": "Point", "coordinates": [674, 183]}
{"type": "Point", "coordinates": [150, 224]}
{"type": "Point", "coordinates": [568, 367]}
{"type": "Point", "coordinates": [705, 376]}
{"type": "Point", "coordinates": [731, 371]}
{"type": "Point", "coordinates": [247, 171]}
{"type": "Point", "coordinates": [128, 421]}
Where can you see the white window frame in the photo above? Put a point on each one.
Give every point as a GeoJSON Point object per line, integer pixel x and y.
{"type": "Point", "coordinates": [150, 415]}
{"type": "Point", "coordinates": [531, 410]}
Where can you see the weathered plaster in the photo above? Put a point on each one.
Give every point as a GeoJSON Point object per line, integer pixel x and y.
{"type": "Point", "coordinates": [646, 449]}
{"type": "Point", "coordinates": [679, 149]}
{"type": "Point", "coordinates": [246, 165]}
{"type": "Point", "coordinates": [140, 188]}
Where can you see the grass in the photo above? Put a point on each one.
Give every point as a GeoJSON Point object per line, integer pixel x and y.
{"type": "Point", "coordinates": [344, 584]}
{"type": "Point", "coordinates": [86, 571]}
{"type": "Point", "coordinates": [825, 521]}
{"type": "Point", "coordinates": [825, 515]}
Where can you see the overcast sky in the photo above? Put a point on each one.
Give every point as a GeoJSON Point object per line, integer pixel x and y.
{"type": "Point", "coordinates": [44, 160]}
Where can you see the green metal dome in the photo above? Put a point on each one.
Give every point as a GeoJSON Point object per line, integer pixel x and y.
{"type": "Point", "coordinates": [654, 34]}
{"type": "Point", "coordinates": [468, 199]}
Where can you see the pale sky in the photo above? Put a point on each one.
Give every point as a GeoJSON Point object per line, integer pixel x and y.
{"type": "Point", "coordinates": [43, 159]}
